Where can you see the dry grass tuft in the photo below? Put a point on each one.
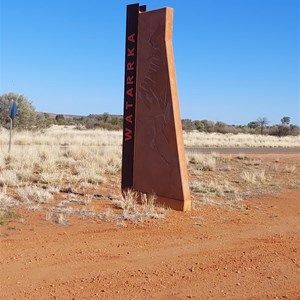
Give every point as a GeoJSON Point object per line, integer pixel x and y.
{"type": "Point", "coordinates": [234, 203]}
{"type": "Point", "coordinates": [34, 194]}
{"type": "Point", "coordinates": [213, 187]}
{"type": "Point", "coordinates": [202, 162]}
{"type": "Point", "coordinates": [7, 204]}
{"type": "Point", "coordinates": [134, 211]}
{"type": "Point", "coordinates": [290, 169]}
{"type": "Point", "coordinates": [254, 177]}
{"type": "Point", "coordinates": [128, 202]}
{"type": "Point", "coordinates": [8, 177]}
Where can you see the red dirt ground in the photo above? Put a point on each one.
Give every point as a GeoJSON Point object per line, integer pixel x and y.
{"type": "Point", "coordinates": [208, 254]}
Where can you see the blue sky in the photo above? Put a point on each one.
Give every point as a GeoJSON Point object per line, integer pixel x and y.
{"type": "Point", "coordinates": [236, 60]}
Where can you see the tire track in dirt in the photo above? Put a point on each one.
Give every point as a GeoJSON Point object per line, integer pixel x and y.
{"type": "Point", "coordinates": [251, 253]}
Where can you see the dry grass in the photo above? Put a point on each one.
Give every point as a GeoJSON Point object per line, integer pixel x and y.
{"type": "Point", "coordinates": [236, 177]}
{"type": "Point", "coordinates": [234, 203]}
{"type": "Point", "coordinates": [7, 206]}
{"type": "Point", "coordinates": [34, 194]}
{"type": "Point", "coordinates": [254, 177]}
{"type": "Point", "coordinates": [201, 162]}
{"type": "Point", "coordinates": [200, 139]}
{"type": "Point", "coordinates": [6, 202]}
{"type": "Point", "coordinates": [69, 136]}
{"type": "Point", "coordinates": [213, 187]}
{"type": "Point", "coordinates": [64, 136]}
{"type": "Point", "coordinates": [134, 211]}
{"type": "Point", "coordinates": [54, 166]}
{"type": "Point", "coordinates": [8, 178]}
{"type": "Point", "coordinates": [290, 169]}
{"type": "Point", "coordinates": [42, 164]}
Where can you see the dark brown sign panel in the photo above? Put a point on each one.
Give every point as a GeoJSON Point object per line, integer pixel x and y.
{"type": "Point", "coordinates": [130, 93]}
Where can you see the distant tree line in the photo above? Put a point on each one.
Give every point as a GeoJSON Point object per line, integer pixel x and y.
{"type": "Point", "coordinates": [259, 126]}
{"type": "Point", "coordinates": [94, 121]}
{"type": "Point", "coordinates": [28, 119]}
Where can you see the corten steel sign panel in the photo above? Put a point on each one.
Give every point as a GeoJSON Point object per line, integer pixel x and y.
{"type": "Point", "coordinates": [159, 164]}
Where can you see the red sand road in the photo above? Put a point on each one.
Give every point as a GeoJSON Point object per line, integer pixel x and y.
{"type": "Point", "coordinates": [209, 254]}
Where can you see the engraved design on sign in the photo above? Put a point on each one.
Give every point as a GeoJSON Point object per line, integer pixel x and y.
{"type": "Point", "coordinates": [158, 115]}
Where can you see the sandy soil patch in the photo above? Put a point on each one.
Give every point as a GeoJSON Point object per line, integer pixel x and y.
{"type": "Point", "coordinates": [248, 251]}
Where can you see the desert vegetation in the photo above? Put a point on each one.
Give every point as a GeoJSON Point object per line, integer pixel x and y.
{"type": "Point", "coordinates": [60, 170]}
{"type": "Point", "coordinates": [61, 173]}
{"type": "Point", "coordinates": [58, 165]}
{"type": "Point", "coordinates": [225, 180]}
{"type": "Point", "coordinates": [68, 136]}
{"type": "Point", "coordinates": [28, 119]}
{"type": "Point", "coordinates": [202, 139]}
